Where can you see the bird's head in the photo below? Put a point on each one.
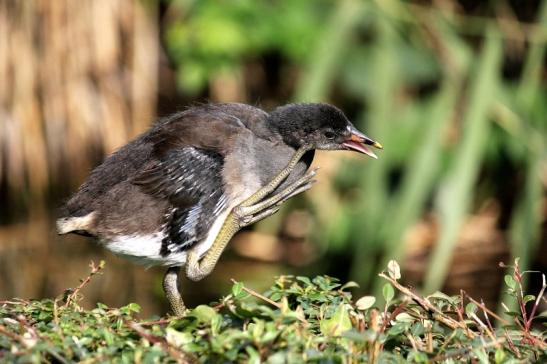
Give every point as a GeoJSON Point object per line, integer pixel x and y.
{"type": "Point", "coordinates": [319, 126]}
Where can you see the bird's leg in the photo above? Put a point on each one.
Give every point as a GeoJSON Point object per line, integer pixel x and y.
{"type": "Point", "coordinates": [197, 269]}
{"type": "Point", "coordinates": [275, 205]}
{"type": "Point", "coordinates": [276, 181]}
{"type": "Point", "coordinates": [171, 289]}
{"type": "Point", "coordinates": [300, 185]}
{"type": "Point", "coordinates": [251, 219]}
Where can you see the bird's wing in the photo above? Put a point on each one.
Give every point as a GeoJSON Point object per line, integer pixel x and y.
{"type": "Point", "coordinates": [189, 152]}
{"type": "Point", "coordinates": [190, 179]}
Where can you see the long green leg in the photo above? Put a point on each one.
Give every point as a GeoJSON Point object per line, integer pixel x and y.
{"type": "Point", "coordinates": [196, 269]}
{"type": "Point", "coordinates": [171, 289]}
{"type": "Point", "coordinates": [302, 184]}
{"type": "Point", "coordinates": [277, 180]}
{"type": "Point", "coordinates": [273, 207]}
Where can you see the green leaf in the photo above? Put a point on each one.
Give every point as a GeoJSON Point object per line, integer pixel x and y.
{"type": "Point", "coordinates": [404, 317]}
{"type": "Point", "coordinates": [388, 292]}
{"type": "Point", "coordinates": [338, 323]}
{"type": "Point", "coordinates": [418, 357]}
{"type": "Point", "coordinates": [254, 356]}
{"type": "Point", "coordinates": [499, 356]}
{"type": "Point", "coordinates": [441, 296]}
{"type": "Point", "coordinates": [481, 355]}
{"type": "Point", "coordinates": [365, 302]}
{"type": "Point", "coordinates": [177, 338]}
{"type": "Point", "coordinates": [305, 280]}
{"type": "Point", "coordinates": [510, 281]}
{"type": "Point", "coordinates": [203, 313]}
{"type": "Point", "coordinates": [528, 298]}
{"type": "Point", "coordinates": [133, 307]}
{"type": "Point", "coordinates": [237, 288]}
{"type": "Point", "coordinates": [470, 309]}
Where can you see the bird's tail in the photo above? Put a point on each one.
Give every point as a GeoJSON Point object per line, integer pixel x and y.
{"type": "Point", "coordinates": [78, 224]}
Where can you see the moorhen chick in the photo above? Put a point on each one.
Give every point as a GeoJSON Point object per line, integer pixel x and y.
{"type": "Point", "coordinates": [177, 194]}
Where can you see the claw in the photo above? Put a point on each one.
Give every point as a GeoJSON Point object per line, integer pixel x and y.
{"type": "Point", "coordinates": [312, 172]}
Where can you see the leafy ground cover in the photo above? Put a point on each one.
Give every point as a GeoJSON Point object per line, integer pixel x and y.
{"type": "Point", "coordinates": [297, 320]}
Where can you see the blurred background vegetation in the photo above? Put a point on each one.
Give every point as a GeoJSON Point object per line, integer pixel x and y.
{"type": "Point", "coordinates": [456, 91]}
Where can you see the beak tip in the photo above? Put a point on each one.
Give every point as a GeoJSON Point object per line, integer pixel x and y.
{"type": "Point", "coordinates": [378, 145]}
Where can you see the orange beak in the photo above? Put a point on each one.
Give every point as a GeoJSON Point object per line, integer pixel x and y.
{"type": "Point", "coordinates": [357, 142]}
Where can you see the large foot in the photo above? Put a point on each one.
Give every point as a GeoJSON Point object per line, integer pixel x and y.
{"type": "Point", "coordinates": [249, 214]}
{"type": "Point", "coordinates": [171, 289]}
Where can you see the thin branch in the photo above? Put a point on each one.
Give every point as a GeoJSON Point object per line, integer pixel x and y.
{"type": "Point", "coordinates": [438, 315]}
{"type": "Point", "coordinates": [266, 299]}
{"type": "Point", "coordinates": [486, 309]}
{"type": "Point", "coordinates": [157, 322]}
{"type": "Point", "coordinates": [463, 351]}
{"type": "Point", "coordinates": [258, 295]}
{"type": "Point", "coordinates": [13, 336]}
{"type": "Point", "coordinates": [94, 270]}
{"type": "Point", "coordinates": [536, 304]}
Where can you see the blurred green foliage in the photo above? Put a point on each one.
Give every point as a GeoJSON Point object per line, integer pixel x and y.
{"type": "Point", "coordinates": [209, 37]}
{"type": "Point", "coordinates": [431, 86]}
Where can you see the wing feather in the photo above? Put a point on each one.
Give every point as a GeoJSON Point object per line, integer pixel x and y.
{"type": "Point", "coordinates": [190, 179]}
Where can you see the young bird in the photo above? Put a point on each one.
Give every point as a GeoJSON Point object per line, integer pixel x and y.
{"type": "Point", "coordinates": [177, 194]}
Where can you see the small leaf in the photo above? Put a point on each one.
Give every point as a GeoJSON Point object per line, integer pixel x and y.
{"type": "Point", "coordinates": [177, 338]}
{"type": "Point", "coordinates": [528, 298]}
{"type": "Point", "coordinates": [203, 313]}
{"type": "Point", "coordinates": [237, 288]}
{"type": "Point", "coordinates": [133, 307]}
{"type": "Point", "coordinates": [350, 284]}
{"type": "Point", "coordinates": [304, 280]}
{"type": "Point", "coordinates": [397, 329]}
{"type": "Point", "coordinates": [418, 357]}
{"type": "Point", "coordinates": [442, 296]}
{"type": "Point", "coordinates": [481, 355]}
{"type": "Point", "coordinates": [470, 309]}
{"type": "Point", "coordinates": [388, 292]}
{"type": "Point", "coordinates": [338, 323]}
{"type": "Point", "coordinates": [499, 356]}
{"type": "Point", "coordinates": [510, 281]}
{"type": "Point", "coordinates": [285, 305]}
{"type": "Point", "coordinates": [254, 357]}
{"type": "Point", "coordinates": [404, 317]}
{"type": "Point", "coordinates": [393, 269]}
{"type": "Point", "coordinates": [365, 302]}
{"type": "Point", "coordinates": [417, 329]}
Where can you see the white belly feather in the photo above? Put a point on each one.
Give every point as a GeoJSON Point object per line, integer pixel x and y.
{"type": "Point", "coordinates": [145, 249]}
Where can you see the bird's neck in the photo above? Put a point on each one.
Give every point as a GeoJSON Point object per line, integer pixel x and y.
{"type": "Point", "coordinates": [285, 132]}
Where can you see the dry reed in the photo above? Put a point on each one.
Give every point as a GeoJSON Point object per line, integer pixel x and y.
{"type": "Point", "coordinates": [79, 77]}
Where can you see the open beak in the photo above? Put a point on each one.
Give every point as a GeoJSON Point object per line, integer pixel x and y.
{"type": "Point", "coordinates": [358, 141]}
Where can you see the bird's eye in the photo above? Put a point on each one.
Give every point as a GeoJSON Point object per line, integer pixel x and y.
{"type": "Point", "coordinates": [329, 135]}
